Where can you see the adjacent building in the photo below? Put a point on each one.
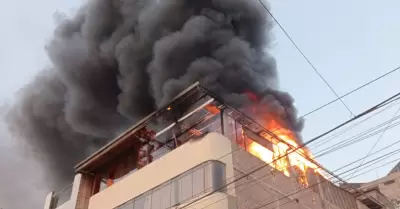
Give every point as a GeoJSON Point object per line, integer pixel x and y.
{"type": "Point", "coordinates": [380, 192]}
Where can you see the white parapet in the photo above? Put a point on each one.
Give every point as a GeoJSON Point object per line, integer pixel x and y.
{"type": "Point", "coordinates": [71, 202]}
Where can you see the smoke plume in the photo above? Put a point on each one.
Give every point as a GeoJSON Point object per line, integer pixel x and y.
{"type": "Point", "coordinates": [116, 61]}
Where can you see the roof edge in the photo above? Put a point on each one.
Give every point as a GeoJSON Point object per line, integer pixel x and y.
{"type": "Point", "coordinates": [117, 140]}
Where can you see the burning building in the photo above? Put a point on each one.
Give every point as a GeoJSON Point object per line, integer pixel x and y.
{"type": "Point", "coordinates": [119, 61]}
{"type": "Point", "coordinates": [206, 155]}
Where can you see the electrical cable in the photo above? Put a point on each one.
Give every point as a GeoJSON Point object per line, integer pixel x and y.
{"type": "Point", "coordinates": [345, 95]}
{"type": "Point", "coordinates": [372, 161]}
{"type": "Point", "coordinates": [229, 153]}
{"type": "Point", "coordinates": [355, 139]}
{"type": "Point", "coordinates": [265, 204]}
{"type": "Point", "coordinates": [374, 108]}
{"type": "Point", "coordinates": [305, 57]}
{"type": "Point", "coordinates": [378, 158]}
{"type": "Point", "coordinates": [384, 148]}
{"type": "Point", "coordinates": [287, 196]}
{"type": "Point", "coordinates": [336, 135]}
{"type": "Point", "coordinates": [352, 91]}
{"type": "Point", "coordinates": [379, 105]}
{"type": "Point", "coordinates": [387, 155]}
{"type": "Point", "coordinates": [380, 137]}
{"type": "Point", "coordinates": [358, 135]}
{"type": "Point", "coordinates": [389, 205]}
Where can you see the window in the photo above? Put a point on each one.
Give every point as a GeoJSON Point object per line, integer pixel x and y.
{"type": "Point", "coordinates": [218, 175]}
{"type": "Point", "coordinates": [174, 192]}
{"type": "Point", "coordinates": [207, 177]}
{"type": "Point", "coordinates": [185, 187]}
{"type": "Point", "coordinates": [198, 182]}
{"type": "Point", "coordinates": [128, 205]}
{"type": "Point", "coordinates": [161, 197]}
{"type": "Point", "coordinates": [143, 201]}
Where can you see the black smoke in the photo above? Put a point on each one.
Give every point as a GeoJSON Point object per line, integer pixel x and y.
{"type": "Point", "coordinates": [116, 61]}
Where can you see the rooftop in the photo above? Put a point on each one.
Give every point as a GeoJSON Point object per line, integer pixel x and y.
{"type": "Point", "coordinates": [395, 169]}
{"type": "Point", "coordinates": [176, 123]}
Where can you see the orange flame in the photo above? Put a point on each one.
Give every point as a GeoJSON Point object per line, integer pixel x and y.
{"type": "Point", "coordinates": [279, 158]}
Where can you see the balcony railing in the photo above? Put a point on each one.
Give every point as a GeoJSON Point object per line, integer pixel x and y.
{"type": "Point", "coordinates": [61, 197]}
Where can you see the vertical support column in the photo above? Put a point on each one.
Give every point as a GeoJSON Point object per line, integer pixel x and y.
{"type": "Point", "coordinates": [75, 189]}
{"type": "Point", "coordinates": [222, 122]}
{"type": "Point", "coordinates": [321, 192]}
{"type": "Point", "coordinates": [49, 201]}
{"type": "Point", "coordinates": [96, 184]}
{"type": "Point", "coordinates": [235, 131]}
{"type": "Point", "coordinates": [84, 191]}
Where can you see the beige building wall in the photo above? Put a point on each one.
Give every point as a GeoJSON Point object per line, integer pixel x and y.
{"type": "Point", "coordinates": [71, 203]}
{"type": "Point", "coordinates": [388, 185]}
{"type": "Point", "coordinates": [266, 186]}
{"type": "Point", "coordinates": [211, 147]}
{"type": "Point", "coordinates": [272, 189]}
{"type": "Point", "coordinates": [47, 202]}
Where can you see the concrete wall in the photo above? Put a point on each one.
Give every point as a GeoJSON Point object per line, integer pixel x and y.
{"type": "Point", "coordinates": [336, 195]}
{"type": "Point", "coordinates": [47, 202]}
{"type": "Point", "coordinates": [66, 205]}
{"type": "Point", "coordinates": [392, 190]}
{"type": "Point", "coordinates": [71, 203]}
{"type": "Point", "coordinates": [271, 189]}
{"type": "Point", "coordinates": [213, 146]}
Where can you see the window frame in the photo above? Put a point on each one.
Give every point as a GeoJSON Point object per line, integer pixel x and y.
{"type": "Point", "coordinates": [214, 166]}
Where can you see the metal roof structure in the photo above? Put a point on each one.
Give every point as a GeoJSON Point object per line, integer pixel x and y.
{"type": "Point", "coordinates": [185, 111]}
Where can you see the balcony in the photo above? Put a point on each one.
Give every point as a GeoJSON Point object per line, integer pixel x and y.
{"type": "Point", "coordinates": [62, 197]}
{"type": "Point", "coordinates": [374, 199]}
{"type": "Point", "coordinates": [66, 198]}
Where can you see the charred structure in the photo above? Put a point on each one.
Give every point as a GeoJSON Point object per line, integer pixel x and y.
{"type": "Point", "coordinates": [201, 112]}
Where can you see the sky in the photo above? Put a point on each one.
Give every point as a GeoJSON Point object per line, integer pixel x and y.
{"type": "Point", "coordinates": [349, 43]}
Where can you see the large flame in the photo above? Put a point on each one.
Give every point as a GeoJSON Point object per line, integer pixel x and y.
{"type": "Point", "coordinates": [283, 143]}
{"type": "Point", "coordinates": [279, 157]}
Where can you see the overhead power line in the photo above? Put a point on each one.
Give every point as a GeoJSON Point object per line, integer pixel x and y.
{"type": "Point", "coordinates": [374, 108]}
{"type": "Point", "coordinates": [378, 140]}
{"type": "Point", "coordinates": [353, 91]}
{"type": "Point", "coordinates": [338, 98]}
{"type": "Point", "coordinates": [347, 94]}
{"type": "Point", "coordinates": [305, 57]}
{"type": "Point", "coordinates": [266, 204]}
{"type": "Point", "coordinates": [358, 160]}
{"type": "Point", "coordinates": [357, 138]}
{"type": "Point", "coordinates": [336, 135]}
{"type": "Point", "coordinates": [380, 105]}
{"type": "Point", "coordinates": [377, 159]}
{"type": "Point", "coordinates": [239, 148]}
{"type": "Point", "coordinates": [328, 179]}
{"type": "Point", "coordinates": [380, 158]}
